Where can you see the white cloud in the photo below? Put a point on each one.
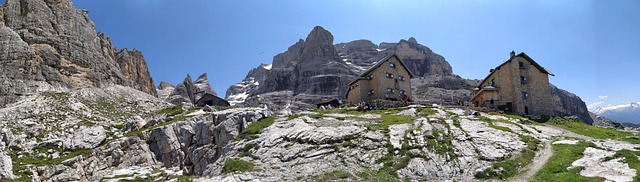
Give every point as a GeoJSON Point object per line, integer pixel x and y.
{"type": "Point", "coordinates": [603, 97]}
{"type": "Point", "coordinates": [593, 106]}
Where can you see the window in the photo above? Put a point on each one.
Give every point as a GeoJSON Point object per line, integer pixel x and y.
{"type": "Point", "coordinates": [390, 90]}
{"type": "Point", "coordinates": [523, 80]}
{"type": "Point", "coordinates": [389, 75]}
{"type": "Point", "coordinates": [525, 95]}
{"type": "Point", "coordinates": [371, 92]}
{"type": "Point", "coordinates": [521, 65]}
{"type": "Point", "coordinates": [370, 77]}
{"type": "Point", "coordinates": [401, 78]}
{"type": "Point", "coordinates": [392, 65]}
{"type": "Point", "coordinates": [402, 93]}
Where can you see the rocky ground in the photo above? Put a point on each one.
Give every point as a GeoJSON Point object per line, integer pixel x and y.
{"type": "Point", "coordinates": [119, 133]}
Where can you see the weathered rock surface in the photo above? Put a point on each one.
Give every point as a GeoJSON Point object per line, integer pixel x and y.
{"type": "Point", "coordinates": [86, 138]}
{"type": "Point", "coordinates": [165, 89]}
{"type": "Point", "coordinates": [311, 67]}
{"type": "Point", "coordinates": [238, 93]}
{"type": "Point", "coordinates": [51, 45]}
{"type": "Point", "coordinates": [568, 104]}
{"type": "Point", "coordinates": [604, 122]}
{"type": "Point", "coordinates": [188, 92]}
{"type": "Point", "coordinates": [135, 70]}
{"type": "Point", "coordinates": [6, 167]}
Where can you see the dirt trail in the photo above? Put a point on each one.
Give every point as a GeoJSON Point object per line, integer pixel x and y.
{"type": "Point", "coordinates": [538, 161]}
{"type": "Point", "coordinates": [543, 156]}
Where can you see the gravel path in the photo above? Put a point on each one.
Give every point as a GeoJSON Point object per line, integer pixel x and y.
{"type": "Point", "coordinates": [539, 160]}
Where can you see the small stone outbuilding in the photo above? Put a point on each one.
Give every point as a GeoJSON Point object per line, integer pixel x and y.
{"type": "Point", "coordinates": [211, 100]}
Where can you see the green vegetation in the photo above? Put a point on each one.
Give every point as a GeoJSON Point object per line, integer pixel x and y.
{"type": "Point", "coordinates": [171, 111]}
{"type": "Point", "coordinates": [19, 164]}
{"type": "Point", "coordinates": [377, 175]}
{"type": "Point", "coordinates": [246, 151]}
{"type": "Point", "coordinates": [556, 167]}
{"type": "Point", "coordinates": [294, 116]}
{"type": "Point", "coordinates": [579, 127]}
{"type": "Point", "coordinates": [255, 128]}
{"type": "Point", "coordinates": [333, 176]}
{"type": "Point", "coordinates": [388, 119]}
{"type": "Point", "coordinates": [237, 165]}
{"type": "Point", "coordinates": [426, 111]}
{"type": "Point", "coordinates": [440, 142]}
{"type": "Point", "coordinates": [509, 168]}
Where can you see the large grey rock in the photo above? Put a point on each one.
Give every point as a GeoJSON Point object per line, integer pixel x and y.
{"type": "Point", "coordinates": [566, 103]}
{"type": "Point", "coordinates": [87, 138]}
{"type": "Point", "coordinates": [51, 45]}
{"type": "Point", "coordinates": [189, 91]}
{"type": "Point", "coordinates": [6, 167]}
{"type": "Point", "coordinates": [165, 89]}
{"type": "Point", "coordinates": [238, 93]}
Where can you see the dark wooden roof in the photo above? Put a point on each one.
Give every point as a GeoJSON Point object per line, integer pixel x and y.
{"type": "Point", "coordinates": [526, 57]}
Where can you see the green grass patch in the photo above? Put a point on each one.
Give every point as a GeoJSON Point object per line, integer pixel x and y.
{"type": "Point", "coordinates": [556, 167]}
{"type": "Point", "coordinates": [389, 119]}
{"type": "Point", "coordinates": [237, 165]}
{"type": "Point", "coordinates": [426, 111]}
{"type": "Point", "coordinates": [377, 175]}
{"type": "Point", "coordinates": [255, 128]}
{"type": "Point", "coordinates": [171, 111]}
{"type": "Point", "coordinates": [246, 151]}
{"type": "Point", "coordinates": [333, 176]}
{"type": "Point", "coordinates": [293, 116]}
{"type": "Point", "coordinates": [579, 127]}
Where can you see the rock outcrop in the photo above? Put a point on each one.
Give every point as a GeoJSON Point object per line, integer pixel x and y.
{"type": "Point", "coordinates": [568, 104]}
{"type": "Point", "coordinates": [86, 138]}
{"type": "Point", "coordinates": [6, 167]}
{"type": "Point", "coordinates": [187, 92]}
{"type": "Point", "coordinates": [51, 45]}
{"type": "Point", "coordinates": [135, 70]}
{"type": "Point", "coordinates": [238, 93]}
{"type": "Point", "coordinates": [165, 89]}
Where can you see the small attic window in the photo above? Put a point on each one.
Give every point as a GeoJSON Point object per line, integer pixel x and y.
{"type": "Point", "coordinates": [392, 65]}
{"type": "Point", "coordinates": [521, 65]}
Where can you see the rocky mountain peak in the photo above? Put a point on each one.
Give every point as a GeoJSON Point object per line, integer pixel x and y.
{"type": "Point", "coordinates": [203, 84]}
{"type": "Point", "coordinates": [413, 40]}
{"type": "Point", "coordinates": [320, 36]}
{"type": "Point", "coordinates": [164, 85]}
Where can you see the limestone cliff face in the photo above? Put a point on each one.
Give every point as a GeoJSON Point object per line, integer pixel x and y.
{"type": "Point", "coordinates": [135, 70]}
{"type": "Point", "coordinates": [310, 67]}
{"type": "Point", "coordinates": [566, 103]}
{"type": "Point", "coordinates": [51, 45]}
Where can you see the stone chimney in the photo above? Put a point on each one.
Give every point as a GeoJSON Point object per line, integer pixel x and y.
{"type": "Point", "coordinates": [512, 54]}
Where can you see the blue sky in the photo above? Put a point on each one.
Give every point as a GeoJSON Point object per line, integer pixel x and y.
{"type": "Point", "coordinates": [589, 45]}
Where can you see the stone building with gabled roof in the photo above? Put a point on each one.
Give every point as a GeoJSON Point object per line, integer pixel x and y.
{"type": "Point", "coordinates": [388, 79]}
{"type": "Point", "coordinates": [518, 86]}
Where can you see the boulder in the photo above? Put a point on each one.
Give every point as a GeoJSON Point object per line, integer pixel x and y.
{"type": "Point", "coordinates": [86, 138]}
{"type": "Point", "coordinates": [133, 124]}
{"type": "Point", "coordinates": [6, 167]}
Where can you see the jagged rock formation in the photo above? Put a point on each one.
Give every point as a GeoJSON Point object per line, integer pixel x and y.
{"type": "Point", "coordinates": [187, 92]}
{"type": "Point", "coordinates": [568, 104]}
{"type": "Point", "coordinates": [314, 70]}
{"type": "Point", "coordinates": [51, 45]}
{"type": "Point", "coordinates": [238, 93]}
{"type": "Point", "coordinates": [165, 89]}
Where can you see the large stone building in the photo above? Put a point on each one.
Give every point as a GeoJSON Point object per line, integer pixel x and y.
{"type": "Point", "coordinates": [519, 86]}
{"type": "Point", "coordinates": [389, 79]}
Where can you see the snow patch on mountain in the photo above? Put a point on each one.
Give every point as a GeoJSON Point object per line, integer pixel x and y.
{"type": "Point", "coordinates": [624, 113]}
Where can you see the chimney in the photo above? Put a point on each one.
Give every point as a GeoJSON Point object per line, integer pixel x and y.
{"type": "Point", "coordinates": [512, 54]}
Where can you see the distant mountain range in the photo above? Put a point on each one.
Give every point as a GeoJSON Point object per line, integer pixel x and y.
{"type": "Point", "coordinates": [624, 113]}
